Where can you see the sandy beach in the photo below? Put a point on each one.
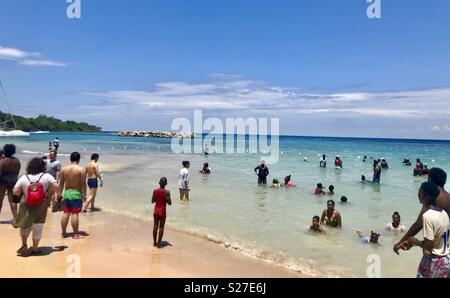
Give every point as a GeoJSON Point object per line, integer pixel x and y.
{"type": "Point", "coordinates": [116, 246]}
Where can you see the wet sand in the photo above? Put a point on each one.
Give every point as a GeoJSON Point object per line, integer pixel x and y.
{"type": "Point", "coordinates": [117, 246]}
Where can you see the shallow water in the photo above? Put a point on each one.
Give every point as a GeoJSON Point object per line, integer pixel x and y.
{"type": "Point", "coordinates": [271, 224]}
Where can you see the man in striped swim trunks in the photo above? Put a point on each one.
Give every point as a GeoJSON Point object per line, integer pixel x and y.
{"type": "Point", "coordinates": [73, 181]}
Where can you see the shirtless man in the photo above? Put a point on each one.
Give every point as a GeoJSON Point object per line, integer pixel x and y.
{"type": "Point", "coordinates": [9, 171]}
{"type": "Point", "coordinates": [93, 175]}
{"type": "Point", "coordinates": [73, 181]}
{"type": "Point", "coordinates": [438, 177]}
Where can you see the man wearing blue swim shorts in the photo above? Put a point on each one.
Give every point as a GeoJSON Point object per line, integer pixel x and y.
{"type": "Point", "coordinates": [93, 175]}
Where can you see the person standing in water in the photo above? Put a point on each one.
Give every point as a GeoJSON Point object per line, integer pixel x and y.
{"type": "Point", "coordinates": [53, 167]}
{"type": "Point", "coordinates": [161, 197]}
{"type": "Point", "coordinates": [439, 178]}
{"type": "Point", "coordinates": [9, 172]}
{"type": "Point", "coordinates": [183, 181]}
{"type": "Point", "coordinates": [73, 181]}
{"type": "Point", "coordinates": [56, 144]}
{"type": "Point", "coordinates": [435, 262]}
{"type": "Point", "coordinates": [330, 216]}
{"type": "Point", "coordinates": [376, 172]}
{"type": "Point", "coordinates": [338, 162]}
{"type": "Point", "coordinates": [93, 175]}
{"type": "Point", "coordinates": [262, 171]}
{"type": "Point", "coordinates": [206, 150]}
{"type": "Point", "coordinates": [323, 161]}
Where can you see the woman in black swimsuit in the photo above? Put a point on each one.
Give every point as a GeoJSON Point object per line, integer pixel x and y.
{"type": "Point", "coordinates": [9, 171]}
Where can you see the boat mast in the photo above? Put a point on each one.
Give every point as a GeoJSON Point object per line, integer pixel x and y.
{"type": "Point", "coordinates": [7, 105]}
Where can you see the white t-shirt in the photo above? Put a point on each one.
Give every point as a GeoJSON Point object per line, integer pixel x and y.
{"type": "Point", "coordinates": [23, 182]}
{"type": "Point", "coordinates": [400, 229]}
{"type": "Point", "coordinates": [436, 227]}
{"type": "Point", "coordinates": [183, 178]}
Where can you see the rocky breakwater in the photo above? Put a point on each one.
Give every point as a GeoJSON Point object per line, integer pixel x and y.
{"type": "Point", "coordinates": [157, 134]}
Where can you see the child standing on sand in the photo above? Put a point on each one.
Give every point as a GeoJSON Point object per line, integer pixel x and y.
{"type": "Point", "coordinates": [161, 197]}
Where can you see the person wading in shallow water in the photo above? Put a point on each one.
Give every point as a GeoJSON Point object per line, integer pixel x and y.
{"type": "Point", "coordinates": [161, 197]}
{"type": "Point", "coordinates": [262, 171]}
{"type": "Point", "coordinates": [183, 181]}
{"type": "Point", "coordinates": [93, 175]}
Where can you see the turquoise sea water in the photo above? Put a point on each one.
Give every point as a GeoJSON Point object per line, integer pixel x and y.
{"type": "Point", "coordinates": [270, 224]}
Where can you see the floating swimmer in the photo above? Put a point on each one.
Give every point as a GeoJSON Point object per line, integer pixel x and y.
{"type": "Point", "coordinates": [331, 190]}
{"type": "Point", "coordinates": [276, 183]}
{"type": "Point", "coordinates": [319, 189]}
{"type": "Point", "coordinates": [206, 169]}
{"type": "Point", "coordinates": [373, 238]}
{"type": "Point", "coordinates": [288, 182]}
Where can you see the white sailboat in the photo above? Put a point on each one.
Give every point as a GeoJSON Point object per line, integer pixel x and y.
{"type": "Point", "coordinates": [10, 132]}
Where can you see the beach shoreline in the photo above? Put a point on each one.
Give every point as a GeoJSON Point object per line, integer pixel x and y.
{"type": "Point", "coordinates": [118, 246]}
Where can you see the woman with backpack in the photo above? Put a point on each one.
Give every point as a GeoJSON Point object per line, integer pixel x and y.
{"type": "Point", "coordinates": [33, 205]}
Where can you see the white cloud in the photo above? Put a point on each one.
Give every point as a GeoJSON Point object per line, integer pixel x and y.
{"type": "Point", "coordinates": [254, 96]}
{"type": "Point", "coordinates": [22, 58]}
{"type": "Point", "coordinates": [14, 54]}
{"type": "Point", "coordinates": [42, 63]}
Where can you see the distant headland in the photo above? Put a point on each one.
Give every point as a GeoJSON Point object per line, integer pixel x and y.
{"type": "Point", "coordinates": [45, 123]}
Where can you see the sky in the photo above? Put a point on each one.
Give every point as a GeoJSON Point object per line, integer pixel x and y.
{"type": "Point", "coordinates": [321, 66]}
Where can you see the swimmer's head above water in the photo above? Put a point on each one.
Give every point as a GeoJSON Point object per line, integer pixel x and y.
{"type": "Point", "coordinates": [330, 205]}
{"type": "Point", "coordinates": [374, 237]}
{"type": "Point", "coordinates": [396, 219]}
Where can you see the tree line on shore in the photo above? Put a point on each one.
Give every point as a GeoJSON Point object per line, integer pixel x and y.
{"type": "Point", "coordinates": [44, 123]}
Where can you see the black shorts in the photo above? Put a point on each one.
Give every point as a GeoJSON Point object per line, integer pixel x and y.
{"type": "Point", "coordinates": [262, 180]}
{"type": "Point", "coordinates": [92, 183]}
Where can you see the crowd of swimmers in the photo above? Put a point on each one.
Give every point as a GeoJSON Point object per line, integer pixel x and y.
{"type": "Point", "coordinates": [433, 218]}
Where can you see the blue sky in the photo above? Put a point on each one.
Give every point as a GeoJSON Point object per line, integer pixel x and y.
{"type": "Point", "coordinates": [321, 66]}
